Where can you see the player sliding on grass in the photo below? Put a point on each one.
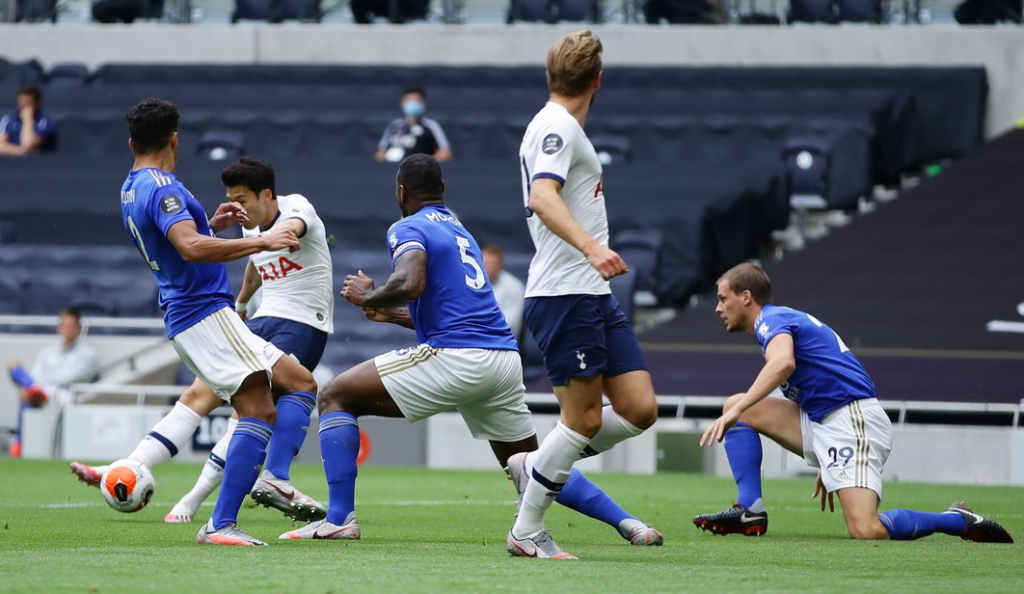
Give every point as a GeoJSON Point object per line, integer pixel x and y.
{"type": "Point", "coordinates": [831, 417]}
{"type": "Point", "coordinates": [467, 359]}
{"type": "Point", "coordinates": [295, 316]}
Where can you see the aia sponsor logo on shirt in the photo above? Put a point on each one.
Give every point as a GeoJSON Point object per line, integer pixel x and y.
{"type": "Point", "coordinates": [272, 271]}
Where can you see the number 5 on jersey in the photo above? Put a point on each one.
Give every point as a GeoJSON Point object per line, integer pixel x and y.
{"type": "Point", "coordinates": [478, 279]}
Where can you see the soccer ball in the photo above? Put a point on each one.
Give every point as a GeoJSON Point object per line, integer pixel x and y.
{"type": "Point", "coordinates": [127, 485]}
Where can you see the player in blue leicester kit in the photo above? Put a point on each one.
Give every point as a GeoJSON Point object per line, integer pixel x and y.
{"type": "Point", "coordinates": [169, 228]}
{"type": "Point", "coordinates": [830, 416]}
{"type": "Point", "coordinates": [295, 315]}
{"type": "Point", "coordinates": [466, 359]}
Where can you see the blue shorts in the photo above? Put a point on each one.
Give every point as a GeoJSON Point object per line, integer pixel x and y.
{"type": "Point", "coordinates": [583, 335]}
{"type": "Point", "coordinates": [294, 338]}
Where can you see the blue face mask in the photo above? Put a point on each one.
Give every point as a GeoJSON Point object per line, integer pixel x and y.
{"type": "Point", "coordinates": [413, 109]}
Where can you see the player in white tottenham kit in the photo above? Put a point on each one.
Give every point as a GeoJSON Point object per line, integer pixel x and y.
{"type": "Point", "coordinates": [588, 344]}
{"type": "Point", "coordinates": [296, 315]}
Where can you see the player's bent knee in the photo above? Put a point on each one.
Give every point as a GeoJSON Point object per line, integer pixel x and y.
{"type": "Point", "coordinates": [330, 397]}
{"type": "Point", "coordinates": [644, 415]}
{"type": "Point", "coordinates": [868, 531]}
{"type": "Point", "coordinates": [731, 402]}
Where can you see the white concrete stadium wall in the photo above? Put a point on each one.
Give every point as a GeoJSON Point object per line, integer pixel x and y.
{"type": "Point", "coordinates": [999, 49]}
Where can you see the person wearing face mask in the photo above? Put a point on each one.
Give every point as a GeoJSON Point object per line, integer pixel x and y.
{"type": "Point", "coordinates": [413, 133]}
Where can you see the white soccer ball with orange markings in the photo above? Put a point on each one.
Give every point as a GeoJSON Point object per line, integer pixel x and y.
{"type": "Point", "coordinates": [127, 485]}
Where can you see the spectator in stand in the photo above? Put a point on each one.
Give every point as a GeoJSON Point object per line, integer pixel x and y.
{"type": "Point", "coordinates": [28, 129]}
{"type": "Point", "coordinates": [55, 369]}
{"type": "Point", "coordinates": [508, 290]}
{"type": "Point", "coordinates": [413, 133]}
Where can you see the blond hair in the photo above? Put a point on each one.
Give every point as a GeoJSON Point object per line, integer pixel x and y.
{"type": "Point", "coordinates": [573, 63]}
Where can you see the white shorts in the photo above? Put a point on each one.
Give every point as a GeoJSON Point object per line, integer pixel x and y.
{"type": "Point", "coordinates": [222, 352]}
{"type": "Point", "coordinates": [850, 445]}
{"type": "Point", "coordinates": [486, 386]}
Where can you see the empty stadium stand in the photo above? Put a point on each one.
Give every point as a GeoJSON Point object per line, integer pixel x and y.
{"type": "Point", "coordinates": [911, 288]}
{"type": "Point", "coordinates": [705, 168]}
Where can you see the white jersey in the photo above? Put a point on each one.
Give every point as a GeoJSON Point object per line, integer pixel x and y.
{"type": "Point", "coordinates": [556, 147]}
{"type": "Point", "coordinates": [297, 286]}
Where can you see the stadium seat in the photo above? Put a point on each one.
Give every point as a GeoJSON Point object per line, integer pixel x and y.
{"type": "Point", "coordinates": [276, 11]}
{"type": "Point", "coordinates": [808, 160]}
{"type": "Point", "coordinates": [612, 148]}
{"type": "Point", "coordinates": [641, 249]}
{"type": "Point", "coordinates": [302, 10]}
{"type": "Point", "coordinates": [860, 11]}
{"type": "Point", "coordinates": [219, 145]}
{"type": "Point", "coordinates": [812, 11]}
{"type": "Point", "coordinates": [10, 295]}
{"type": "Point", "coordinates": [68, 74]}
{"type": "Point", "coordinates": [32, 11]}
{"type": "Point", "coordinates": [531, 11]}
{"type": "Point", "coordinates": [8, 232]}
{"type": "Point", "coordinates": [253, 10]}
{"type": "Point", "coordinates": [576, 10]}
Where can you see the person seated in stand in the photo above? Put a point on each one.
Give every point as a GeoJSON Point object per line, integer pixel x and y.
{"type": "Point", "coordinates": [508, 290]}
{"type": "Point", "coordinates": [413, 133]}
{"type": "Point", "coordinates": [55, 369]}
{"type": "Point", "coordinates": [29, 129]}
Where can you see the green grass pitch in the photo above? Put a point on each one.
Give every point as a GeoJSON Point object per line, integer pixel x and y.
{"type": "Point", "coordinates": [430, 531]}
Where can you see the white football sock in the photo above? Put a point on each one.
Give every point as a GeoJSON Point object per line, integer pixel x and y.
{"type": "Point", "coordinates": [220, 449]}
{"type": "Point", "coordinates": [553, 461]}
{"type": "Point", "coordinates": [614, 429]}
{"type": "Point", "coordinates": [176, 428]}
{"type": "Point", "coordinates": [213, 471]}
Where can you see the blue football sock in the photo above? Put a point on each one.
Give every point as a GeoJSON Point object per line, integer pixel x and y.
{"type": "Point", "coordinates": [293, 412]}
{"type": "Point", "coordinates": [579, 494]}
{"type": "Point", "coordinates": [905, 524]}
{"type": "Point", "coordinates": [339, 447]}
{"type": "Point", "coordinates": [21, 377]}
{"type": "Point", "coordinates": [246, 453]}
{"type": "Point", "coordinates": [743, 447]}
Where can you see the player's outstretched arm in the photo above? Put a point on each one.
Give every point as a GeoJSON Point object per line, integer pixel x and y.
{"type": "Point", "coordinates": [547, 203]}
{"type": "Point", "coordinates": [251, 281]}
{"type": "Point", "coordinates": [778, 366]}
{"type": "Point", "coordinates": [405, 285]}
{"type": "Point", "coordinates": [227, 214]}
{"type": "Point", "coordinates": [197, 248]}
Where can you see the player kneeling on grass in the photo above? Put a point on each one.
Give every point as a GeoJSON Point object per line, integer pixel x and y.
{"type": "Point", "coordinates": [467, 359]}
{"type": "Point", "coordinates": [296, 318]}
{"type": "Point", "coordinates": [830, 416]}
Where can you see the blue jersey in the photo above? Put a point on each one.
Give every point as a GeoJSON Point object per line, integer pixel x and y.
{"type": "Point", "coordinates": [151, 202]}
{"type": "Point", "coordinates": [827, 375]}
{"type": "Point", "coordinates": [457, 308]}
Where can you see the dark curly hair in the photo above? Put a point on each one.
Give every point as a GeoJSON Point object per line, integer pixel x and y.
{"type": "Point", "coordinates": [151, 123]}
